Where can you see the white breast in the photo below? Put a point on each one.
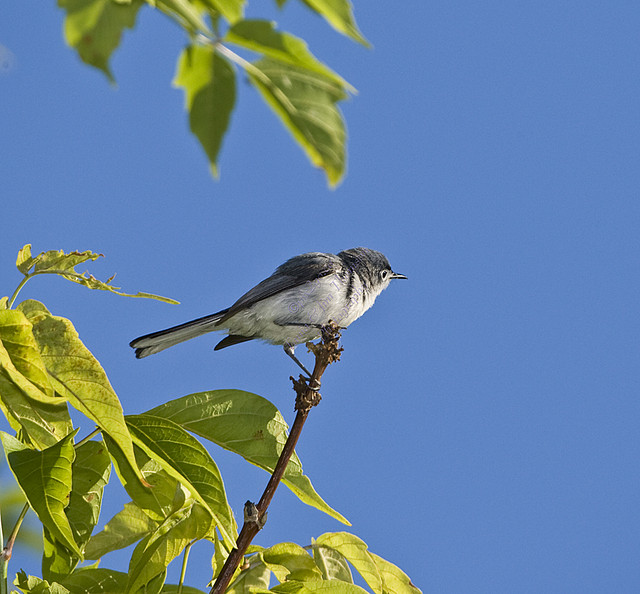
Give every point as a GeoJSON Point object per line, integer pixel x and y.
{"type": "Point", "coordinates": [294, 316]}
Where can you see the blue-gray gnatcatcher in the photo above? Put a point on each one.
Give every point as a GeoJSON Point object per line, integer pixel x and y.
{"type": "Point", "coordinates": [292, 305]}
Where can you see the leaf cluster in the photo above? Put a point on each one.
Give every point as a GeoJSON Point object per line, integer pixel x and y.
{"type": "Point", "coordinates": [177, 495]}
{"type": "Point", "coordinates": [301, 90]}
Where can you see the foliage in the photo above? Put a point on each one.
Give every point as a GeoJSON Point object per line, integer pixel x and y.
{"type": "Point", "coordinates": [301, 90]}
{"type": "Point", "coordinates": [176, 490]}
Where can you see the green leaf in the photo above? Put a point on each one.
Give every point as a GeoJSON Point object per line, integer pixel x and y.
{"type": "Point", "coordinates": [231, 10]}
{"type": "Point", "coordinates": [42, 420]}
{"type": "Point", "coordinates": [94, 28]}
{"type": "Point", "coordinates": [175, 589]}
{"type": "Point", "coordinates": [319, 587]}
{"type": "Point", "coordinates": [394, 579]}
{"type": "Point", "coordinates": [24, 259]}
{"type": "Point", "coordinates": [256, 576]}
{"type": "Point", "coordinates": [34, 585]}
{"type": "Point", "coordinates": [126, 527]}
{"type": "Point", "coordinates": [17, 337]}
{"type": "Point", "coordinates": [246, 424]}
{"type": "Point", "coordinates": [332, 564]}
{"type": "Point", "coordinates": [57, 262]}
{"type": "Point", "coordinates": [209, 84]}
{"type": "Point", "coordinates": [260, 36]}
{"type": "Point", "coordinates": [355, 551]}
{"type": "Point", "coordinates": [153, 554]}
{"type": "Point", "coordinates": [339, 14]}
{"type": "Point", "coordinates": [45, 479]}
{"type": "Point", "coordinates": [185, 13]}
{"type": "Point", "coordinates": [185, 458]}
{"type": "Point", "coordinates": [91, 469]}
{"type": "Point", "coordinates": [96, 580]}
{"type": "Point", "coordinates": [163, 495]}
{"type": "Point", "coordinates": [306, 103]}
{"type": "Point", "coordinates": [220, 554]}
{"type": "Point", "coordinates": [57, 560]}
{"type": "Point", "coordinates": [77, 375]}
{"type": "Point", "coordinates": [290, 561]}
{"type": "Point", "coordinates": [53, 261]}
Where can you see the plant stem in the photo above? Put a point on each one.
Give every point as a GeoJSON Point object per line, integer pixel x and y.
{"type": "Point", "coordinates": [307, 397]}
{"type": "Point", "coordinates": [8, 550]}
{"type": "Point", "coordinates": [183, 571]}
{"type": "Point", "coordinates": [3, 563]}
{"type": "Point", "coordinates": [23, 282]}
{"type": "Point", "coordinates": [87, 438]}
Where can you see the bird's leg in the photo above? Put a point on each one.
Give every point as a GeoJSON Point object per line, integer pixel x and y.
{"type": "Point", "coordinates": [289, 350]}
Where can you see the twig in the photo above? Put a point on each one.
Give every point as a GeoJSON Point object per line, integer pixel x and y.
{"type": "Point", "coordinates": [307, 396]}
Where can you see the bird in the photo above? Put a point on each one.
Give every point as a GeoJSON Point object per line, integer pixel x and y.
{"type": "Point", "coordinates": [292, 305]}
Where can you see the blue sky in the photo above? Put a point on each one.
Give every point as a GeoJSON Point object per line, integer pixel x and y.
{"type": "Point", "coordinates": [481, 430]}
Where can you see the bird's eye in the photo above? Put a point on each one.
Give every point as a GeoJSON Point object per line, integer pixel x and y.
{"type": "Point", "coordinates": [385, 275]}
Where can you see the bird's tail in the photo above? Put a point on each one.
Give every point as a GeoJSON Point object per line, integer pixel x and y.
{"type": "Point", "coordinates": [149, 344]}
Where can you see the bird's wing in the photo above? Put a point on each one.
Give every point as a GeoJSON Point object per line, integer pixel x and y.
{"type": "Point", "coordinates": [293, 273]}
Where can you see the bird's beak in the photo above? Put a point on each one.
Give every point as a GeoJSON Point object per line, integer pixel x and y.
{"type": "Point", "coordinates": [396, 275]}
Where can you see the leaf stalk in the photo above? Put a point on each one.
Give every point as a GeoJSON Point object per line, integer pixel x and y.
{"type": "Point", "coordinates": [183, 570]}
{"type": "Point", "coordinates": [8, 550]}
{"type": "Point", "coordinates": [3, 563]}
{"type": "Point", "coordinates": [23, 282]}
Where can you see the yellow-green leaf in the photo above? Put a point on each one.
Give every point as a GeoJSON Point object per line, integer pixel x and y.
{"type": "Point", "coordinates": [246, 424]}
{"type": "Point", "coordinates": [261, 36]}
{"type": "Point", "coordinates": [42, 419]}
{"type": "Point", "coordinates": [91, 469]}
{"type": "Point", "coordinates": [24, 259]}
{"type": "Point", "coordinates": [17, 337]}
{"type": "Point", "coordinates": [126, 527]}
{"type": "Point", "coordinates": [187, 13]}
{"type": "Point", "coordinates": [182, 456]}
{"type": "Point", "coordinates": [317, 587]}
{"type": "Point", "coordinates": [162, 494]}
{"type": "Point", "coordinates": [152, 555]}
{"type": "Point", "coordinates": [332, 564]}
{"type": "Point", "coordinates": [355, 551]}
{"type": "Point", "coordinates": [209, 84]}
{"type": "Point", "coordinates": [232, 10]}
{"type": "Point", "coordinates": [395, 581]}
{"type": "Point", "coordinates": [45, 479]}
{"type": "Point", "coordinates": [30, 584]}
{"type": "Point", "coordinates": [306, 102]}
{"type": "Point", "coordinates": [94, 28]}
{"type": "Point", "coordinates": [289, 561]}
{"type": "Point", "coordinates": [53, 261]}
{"type": "Point", "coordinates": [91, 472]}
{"type": "Point", "coordinates": [57, 262]}
{"type": "Point", "coordinates": [256, 576]}
{"type": "Point", "coordinates": [339, 14]}
{"type": "Point", "coordinates": [96, 580]}
{"type": "Point", "coordinates": [77, 375]}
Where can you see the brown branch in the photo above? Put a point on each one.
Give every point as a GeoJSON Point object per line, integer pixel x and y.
{"type": "Point", "coordinates": [307, 396]}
